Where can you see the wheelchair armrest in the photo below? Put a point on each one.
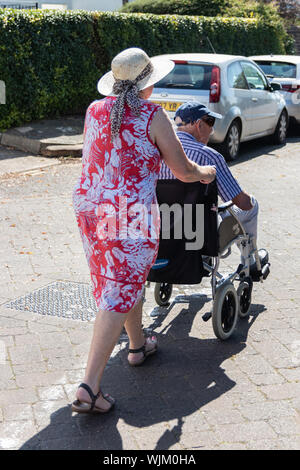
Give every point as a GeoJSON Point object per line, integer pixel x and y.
{"type": "Point", "coordinates": [225, 206]}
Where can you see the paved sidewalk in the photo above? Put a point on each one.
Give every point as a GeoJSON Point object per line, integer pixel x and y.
{"type": "Point", "coordinates": [50, 137]}
{"type": "Point", "coordinates": [14, 161]}
{"type": "Point", "coordinates": [197, 392]}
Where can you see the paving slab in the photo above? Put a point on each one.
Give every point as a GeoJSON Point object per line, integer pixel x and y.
{"type": "Point", "coordinates": [13, 161]}
{"type": "Point", "coordinates": [197, 392]}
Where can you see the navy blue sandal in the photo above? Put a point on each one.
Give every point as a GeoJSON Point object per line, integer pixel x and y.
{"type": "Point", "coordinates": [145, 353]}
{"type": "Point", "coordinates": [83, 407]}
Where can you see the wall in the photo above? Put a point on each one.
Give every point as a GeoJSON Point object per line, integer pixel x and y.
{"type": "Point", "coordinates": [104, 5]}
{"type": "Point", "coordinates": [91, 5]}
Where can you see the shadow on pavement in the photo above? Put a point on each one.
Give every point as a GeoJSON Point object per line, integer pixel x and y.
{"type": "Point", "coordinates": [10, 153]}
{"type": "Point", "coordinates": [262, 146]}
{"type": "Point", "coordinates": [185, 375]}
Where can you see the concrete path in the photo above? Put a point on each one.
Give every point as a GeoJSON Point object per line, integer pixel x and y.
{"type": "Point", "coordinates": [49, 137]}
{"type": "Point", "coordinates": [197, 392]}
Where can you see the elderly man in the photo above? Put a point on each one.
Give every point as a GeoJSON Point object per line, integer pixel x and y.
{"type": "Point", "coordinates": [194, 126]}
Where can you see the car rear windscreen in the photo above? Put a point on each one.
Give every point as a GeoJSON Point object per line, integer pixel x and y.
{"type": "Point", "coordinates": [189, 76]}
{"type": "Point", "coordinates": [278, 69]}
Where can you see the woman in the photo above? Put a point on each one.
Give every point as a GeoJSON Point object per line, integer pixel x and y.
{"type": "Point", "coordinates": [126, 137]}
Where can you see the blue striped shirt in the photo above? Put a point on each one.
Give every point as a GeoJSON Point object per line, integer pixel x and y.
{"type": "Point", "coordinates": [227, 185]}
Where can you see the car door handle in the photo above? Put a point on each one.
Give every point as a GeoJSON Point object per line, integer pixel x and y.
{"type": "Point", "coordinates": [254, 99]}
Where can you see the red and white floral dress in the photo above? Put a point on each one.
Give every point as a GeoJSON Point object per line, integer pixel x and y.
{"type": "Point", "coordinates": [115, 204]}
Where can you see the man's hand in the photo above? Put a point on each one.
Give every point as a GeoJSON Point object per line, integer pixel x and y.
{"type": "Point", "coordinates": [209, 174]}
{"type": "Point", "coordinates": [243, 201]}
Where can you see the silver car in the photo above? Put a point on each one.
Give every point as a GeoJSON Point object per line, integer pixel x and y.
{"type": "Point", "coordinates": [285, 69]}
{"type": "Point", "coordinates": [233, 86]}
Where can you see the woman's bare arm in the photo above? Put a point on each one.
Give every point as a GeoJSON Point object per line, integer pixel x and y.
{"type": "Point", "coordinates": [164, 136]}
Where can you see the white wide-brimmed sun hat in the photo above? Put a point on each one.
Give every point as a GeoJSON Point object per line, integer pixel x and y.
{"type": "Point", "coordinates": [129, 64]}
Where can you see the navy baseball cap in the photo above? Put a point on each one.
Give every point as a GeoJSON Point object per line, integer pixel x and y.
{"type": "Point", "coordinates": [192, 111]}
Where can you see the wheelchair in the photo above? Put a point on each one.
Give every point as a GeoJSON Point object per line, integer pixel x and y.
{"type": "Point", "coordinates": [175, 264]}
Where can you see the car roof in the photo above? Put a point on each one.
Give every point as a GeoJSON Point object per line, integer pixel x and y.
{"type": "Point", "coordinates": [294, 59]}
{"type": "Point", "coordinates": [208, 58]}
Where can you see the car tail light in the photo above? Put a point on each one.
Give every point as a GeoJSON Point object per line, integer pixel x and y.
{"type": "Point", "coordinates": [215, 85]}
{"type": "Point", "coordinates": [290, 88]}
{"type": "Point", "coordinates": [180, 61]}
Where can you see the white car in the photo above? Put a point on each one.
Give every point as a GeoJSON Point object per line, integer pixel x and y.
{"type": "Point", "coordinates": [233, 86]}
{"type": "Point", "coordinates": [285, 69]}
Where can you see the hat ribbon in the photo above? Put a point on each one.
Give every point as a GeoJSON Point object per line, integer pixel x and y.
{"type": "Point", "coordinates": [127, 91]}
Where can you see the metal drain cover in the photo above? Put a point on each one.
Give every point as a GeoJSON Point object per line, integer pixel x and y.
{"type": "Point", "coordinates": [60, 299]}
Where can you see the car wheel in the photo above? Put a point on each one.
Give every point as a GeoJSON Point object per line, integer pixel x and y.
{"type": "Point", "coordinates": [279, 136]}
{"type": "Point", "coordinates": [231, 145]}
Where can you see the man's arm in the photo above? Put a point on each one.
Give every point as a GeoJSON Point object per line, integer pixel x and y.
{"type": "Point", "coordinates": [228, 187]}
{"type": "Point", "coordinates": [163, 135]}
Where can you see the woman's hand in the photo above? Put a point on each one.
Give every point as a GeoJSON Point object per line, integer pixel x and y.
{"type": "Point", "coordinates": [209, 174]}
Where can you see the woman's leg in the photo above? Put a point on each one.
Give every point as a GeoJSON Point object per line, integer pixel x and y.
{"type": "Point", "coordinates": [107, 330]}
{"type": "Point", "coordinates": [133, 326]}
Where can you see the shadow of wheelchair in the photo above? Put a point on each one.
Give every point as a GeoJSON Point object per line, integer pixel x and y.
{"type": "Point", "coordinates": [185, 375]}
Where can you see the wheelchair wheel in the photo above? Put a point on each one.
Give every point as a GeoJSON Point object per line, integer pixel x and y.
{"type": "Point", "coordinates": [162, 293]}
{"type": "Point", "coordinates": [225, 311]}
{"type": "Point", "coordinates": [244, 292]}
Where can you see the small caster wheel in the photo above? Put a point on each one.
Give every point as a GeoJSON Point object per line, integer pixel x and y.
{"type": "Point", "coordinates": [162, 293]}
{"type": "Point", "coordinates": [244, 292]}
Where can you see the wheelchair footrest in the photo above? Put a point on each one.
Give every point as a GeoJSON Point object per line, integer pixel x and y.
{"type": "Point", "coordinates": [265, 271]}
{"type": "Point", "coordinates": [265, 266]}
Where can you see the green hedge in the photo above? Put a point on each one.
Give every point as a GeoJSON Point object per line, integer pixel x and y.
{"type": "Point", "coordinates": [175, 33]}
{"type": "Point", "coordinates": [47, 63]}
{"type": "Point", "coordinates": [51, 61]}
{"type": "Point", "coordinates": [177, 7]}
{"type": "Point", "coordinates": [252, 8]}
{"type": "Point", "coordinates": [230, 8]}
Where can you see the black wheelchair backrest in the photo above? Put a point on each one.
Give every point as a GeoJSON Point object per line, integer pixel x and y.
{"type": "Point", "coordinates": [179, 259]}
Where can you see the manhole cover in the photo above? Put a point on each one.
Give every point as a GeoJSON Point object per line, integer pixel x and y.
{"type": "Point", "coordinates": [60, 299]}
